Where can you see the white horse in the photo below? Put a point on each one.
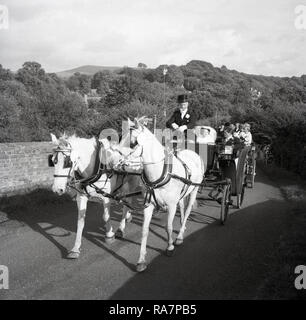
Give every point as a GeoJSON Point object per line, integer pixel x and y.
{"type": "Point", "coordinates": [82, 155]}
{"type": "Point", "coordinates": [170, 194]}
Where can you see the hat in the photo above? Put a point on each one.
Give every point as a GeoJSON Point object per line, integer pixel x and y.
{"type": "Point", "coordinates": [182, 98]}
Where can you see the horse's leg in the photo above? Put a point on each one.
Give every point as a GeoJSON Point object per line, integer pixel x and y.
{"type": "Point", "coordinates": [141, 264]}
{"type": "Point", "coordinates": [109, 234]}
{"type": "Point", "coordinates": [171, 214]}
{"type": "Point", "coordinates": [182, 209]}
{"type": "Point", "coordinates": [126, 217]}
{"type": "Point", "coordinates": [192, 198]}
{"type": "Point", "coordinates": [82, 206]}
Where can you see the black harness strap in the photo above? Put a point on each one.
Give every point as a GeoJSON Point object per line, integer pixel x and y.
{"type": "Point", "coordinates": [100, 168]}
{"type": "Point", "coordinates": [98, 171]}
{"type": "Point", "coordinates": [160, 182]}
{"type": "Point", "coordinates": [187, 177]}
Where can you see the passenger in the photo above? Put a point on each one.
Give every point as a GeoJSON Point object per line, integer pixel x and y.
{"type": "Point", "coordinates": [237, 130]}
{"type": "Point", "coordinates": [228, 133]}
{"type": "Point", "coordinates": [206, 135]}
{"type": "Point", "coordinates": [246, 135]}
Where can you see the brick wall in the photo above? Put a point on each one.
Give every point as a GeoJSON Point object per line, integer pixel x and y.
{"type": "Point", "coordinates": [24, 167]}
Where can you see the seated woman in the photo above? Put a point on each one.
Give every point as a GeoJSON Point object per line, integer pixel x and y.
{"type": "Point", "coordinates": [238, 130]}
{"type": "Point", "coordinates": [205, 134]}
{"type": "Point", "coordinates": [246, 135]}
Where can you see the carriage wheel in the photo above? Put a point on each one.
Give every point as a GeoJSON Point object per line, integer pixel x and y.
{"type": "Point", "coordinates": [225, 203]}
{"type": "Point", "coordinates": [240, 197]}
{"type": "Point", "coordinates": [253, 174]}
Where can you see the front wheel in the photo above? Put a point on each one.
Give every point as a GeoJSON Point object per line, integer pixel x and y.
{"type": "Point", "coordinates": [240, 197]}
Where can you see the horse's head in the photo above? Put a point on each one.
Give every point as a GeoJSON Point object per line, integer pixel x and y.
{"type": "Point", "coordinates": [64, 162]}
{"type": "Point", "coordinates": [137, 131]}
{"type": "Point", "coordinates": [143, 142]}
{"type": "Point", "coordinates": [111, 153]}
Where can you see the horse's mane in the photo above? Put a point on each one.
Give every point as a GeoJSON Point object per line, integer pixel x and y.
{"type": "Point", "coordinates": [77, 142]}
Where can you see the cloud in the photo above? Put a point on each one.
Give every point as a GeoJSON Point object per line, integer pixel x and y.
{"type": "Point", "coordinates": [250, 36]}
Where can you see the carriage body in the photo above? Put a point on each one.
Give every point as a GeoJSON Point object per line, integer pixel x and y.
{"type": "Point", "coordinates": [227, 161]}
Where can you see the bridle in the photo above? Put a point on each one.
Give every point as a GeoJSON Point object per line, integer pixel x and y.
{"type": "Point", "coordinates": [136, 148]}
{"type": "Point", "coordinates": [67, 161]}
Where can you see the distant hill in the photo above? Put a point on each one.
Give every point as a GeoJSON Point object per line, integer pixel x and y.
{"type": "Point", "coordinates": [89, 70]}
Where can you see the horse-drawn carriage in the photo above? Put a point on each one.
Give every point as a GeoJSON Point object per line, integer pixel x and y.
{"type": "Point", "coordinates": [229, 167]}
{"type": "Point", "coordinates": [168, 178]}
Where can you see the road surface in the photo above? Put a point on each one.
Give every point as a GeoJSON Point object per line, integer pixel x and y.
{"type": "Point", "coordinates": [215, 262]}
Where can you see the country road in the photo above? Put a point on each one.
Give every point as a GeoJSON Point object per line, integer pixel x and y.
{"type": "Point", "coordinates": [215, 262]}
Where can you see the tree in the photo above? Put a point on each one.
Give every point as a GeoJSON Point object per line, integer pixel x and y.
{"type": "Point", "coordinates": [79, 82]}
{"type": "Point", "coordinates": [101, 81]}
{"type": "Point", "coordinates": [141, 65]}
{"type": "Point", "coordinates": [5, 74]}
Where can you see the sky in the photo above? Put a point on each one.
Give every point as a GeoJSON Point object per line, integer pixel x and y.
{"type": "Point", "coordinates": [252, 36]}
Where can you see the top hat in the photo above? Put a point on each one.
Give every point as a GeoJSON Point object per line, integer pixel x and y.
{"type": "Point", "coordinates": [182, 98]}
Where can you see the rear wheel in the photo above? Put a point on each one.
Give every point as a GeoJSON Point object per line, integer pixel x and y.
{"type": "Point", "coordinates": [253, 174]}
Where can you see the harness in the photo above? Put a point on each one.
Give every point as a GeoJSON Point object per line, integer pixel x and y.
{"type": "Point", "coordinates": [165, 178]}
{"type": "Point", "coordinates": [99, 170]}
{"type": "Point", "coordinates": [150, 186]}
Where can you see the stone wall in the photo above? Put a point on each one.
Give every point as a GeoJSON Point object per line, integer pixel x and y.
{"type": "Point", "coordinates": [24, 167]}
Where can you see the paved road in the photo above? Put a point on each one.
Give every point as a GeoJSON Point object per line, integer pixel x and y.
{"type": "Point", "coordinates": [215, 262]}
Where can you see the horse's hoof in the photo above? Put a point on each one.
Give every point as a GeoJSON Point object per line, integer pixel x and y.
{"type": "Point", "coordinates": [129, 219]}
{"type": "Point", "coordinates": [73, 255]}
{"type": "Point", "coordinates": [169, 253]}
{"type": "Point", "coordinates": [110, 240]}
{"type": "Point", "coordinates": [140, 267]}
{"type": "Point", "coordinates": [178, 242]}
{"type": "Point", "coordinates": [119, 234]}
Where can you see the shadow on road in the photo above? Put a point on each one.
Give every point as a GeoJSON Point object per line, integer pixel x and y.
{"type": "Point", "coordinates": [55, 217]}
{"type": "Point", "coordinates": [216, 262]}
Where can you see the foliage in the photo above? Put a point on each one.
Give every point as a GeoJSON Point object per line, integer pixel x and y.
{"type": "Point", "coordinates": [33, 102]}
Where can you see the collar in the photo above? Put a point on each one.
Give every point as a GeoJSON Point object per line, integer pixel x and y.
{"type": "Point", "coordinates": [165, 176]}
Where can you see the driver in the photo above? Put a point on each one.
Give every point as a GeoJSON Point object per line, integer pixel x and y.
{"type": "Point", "coordinates": [182, 118]}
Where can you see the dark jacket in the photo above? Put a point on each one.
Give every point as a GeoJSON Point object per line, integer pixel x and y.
{"type": "Point", "coordinates": [189, 119]}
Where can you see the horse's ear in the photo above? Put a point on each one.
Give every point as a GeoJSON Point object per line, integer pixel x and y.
{"type": "Point", "coordinates": [146, 120]}
{"type": "Point", "coordinates": [143, 121]}
{"type": "Point", "coordinates": [138, 123]}
{"type": "Point", "coordinates": [54, 139]}
{"type": "Point", "coordinates": [130, 123]}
